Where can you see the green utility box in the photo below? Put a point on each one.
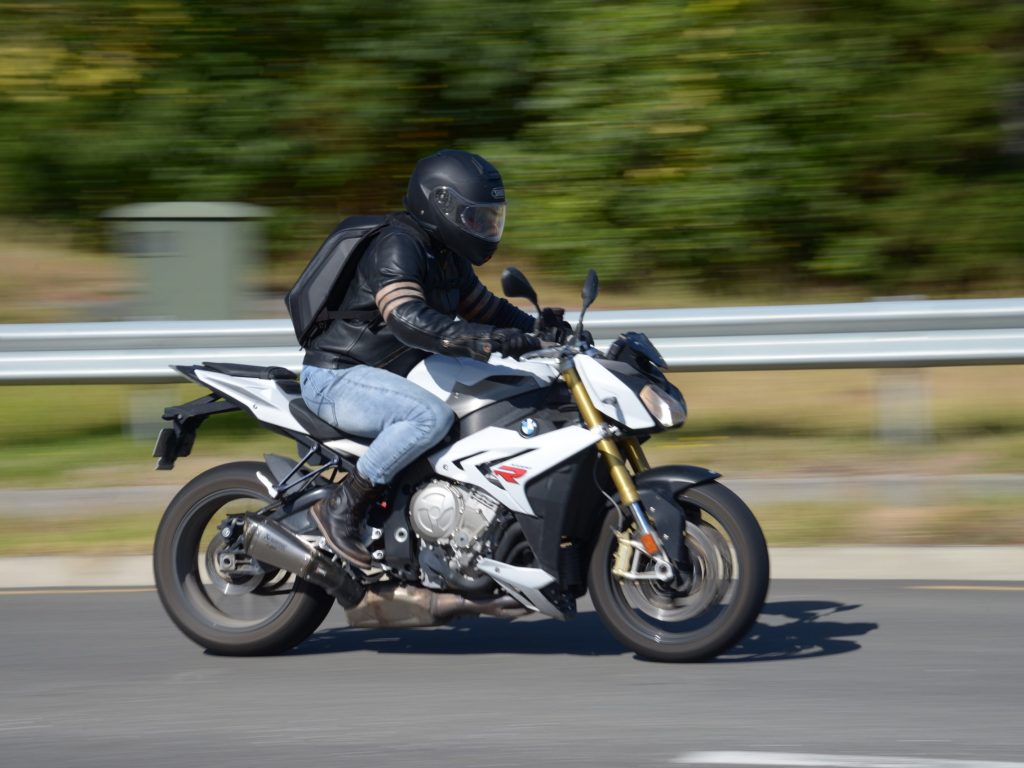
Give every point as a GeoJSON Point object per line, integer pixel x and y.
{"type": "Point", "coordinates": [195, 260]}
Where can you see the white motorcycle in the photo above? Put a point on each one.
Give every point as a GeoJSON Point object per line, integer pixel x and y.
{"type": "Point", "coordinates": [540, 493]}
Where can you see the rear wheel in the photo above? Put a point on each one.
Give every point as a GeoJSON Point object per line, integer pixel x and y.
{"type": "Point", "coordinates": [708, 605]}
{"type": "Point", "coordinates": [217, 595]}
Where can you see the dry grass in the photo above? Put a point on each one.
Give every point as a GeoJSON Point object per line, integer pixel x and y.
{"type": "Point", "coordinates": [47, 279]}
{"type": "Point", "coordinates": [964, 522]}
{"type": "Point", "coordinates": [125, 534]}
{"type": "Point", "coordinates": [825, 422]}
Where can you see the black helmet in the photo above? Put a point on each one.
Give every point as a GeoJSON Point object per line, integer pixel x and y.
{"type": "Point", "coordinates": [458, 198]}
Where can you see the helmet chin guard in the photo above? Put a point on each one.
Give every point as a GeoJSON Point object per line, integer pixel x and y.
{"type": "Point", "coordinates": [459, 198]}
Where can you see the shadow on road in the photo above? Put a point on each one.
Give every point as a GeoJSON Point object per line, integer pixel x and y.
{"type": "Point", "coordinates": [809, 632]}
{"type": "Point", "coordinates": [582, 636]}
{"type": "Point", "coordinates": [799, 629]}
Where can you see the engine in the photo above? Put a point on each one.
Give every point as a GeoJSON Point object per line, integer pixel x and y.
{"type": "Point", "coordinates": [456, 525]}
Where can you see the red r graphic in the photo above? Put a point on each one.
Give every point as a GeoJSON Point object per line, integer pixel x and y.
{"type": "Point", "coordinates": [510, 474]}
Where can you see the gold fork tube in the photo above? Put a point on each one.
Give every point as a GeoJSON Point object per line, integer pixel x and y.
{"type": "Point", "coordinates": [606, 446]}
{"type": "Point", "coordinates": [635, 454]}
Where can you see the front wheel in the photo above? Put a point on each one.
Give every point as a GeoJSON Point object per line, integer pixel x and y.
{"type": "Point", "coordinates": [708, 605]}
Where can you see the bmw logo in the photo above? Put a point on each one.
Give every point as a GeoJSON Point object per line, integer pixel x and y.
{"type": "Point", "coordinates": [528, 427]}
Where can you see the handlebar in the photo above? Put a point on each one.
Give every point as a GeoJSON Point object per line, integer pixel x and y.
{"type": "Point", "coordinates": [547, 349]}
{"type": "Point", "coordinates": [551, 349]}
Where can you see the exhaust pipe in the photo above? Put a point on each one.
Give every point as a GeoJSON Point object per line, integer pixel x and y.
{"type": "Point", "coordinates": [270, 542]}
{"type": "Point", "coordinates": [391, 605]}
{"type": "Point", "coordinates": [385, 605]}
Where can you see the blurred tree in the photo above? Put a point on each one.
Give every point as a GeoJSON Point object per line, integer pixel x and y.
{"type": "Point", "coordinates": [877, 144]}
{"type": "Point", "coordinates": [778, 141]}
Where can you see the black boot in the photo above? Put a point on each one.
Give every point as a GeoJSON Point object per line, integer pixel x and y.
{"type": "Point", "coordinates": [339, 515]}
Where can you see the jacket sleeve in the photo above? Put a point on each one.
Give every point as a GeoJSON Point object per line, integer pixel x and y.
{"type": "Point", "coordinates": [400, 269]}
{"type": "Point", "coordinates": [478, 304]}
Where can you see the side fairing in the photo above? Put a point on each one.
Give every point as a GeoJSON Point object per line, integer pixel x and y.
{"type": "Point", "coordinates": [502, 462]}
{"type": "Point", "coordinates": [467, 385]}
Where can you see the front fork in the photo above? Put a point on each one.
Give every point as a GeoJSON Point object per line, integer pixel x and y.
{"type": "Point", "coordinates": [623, 480]}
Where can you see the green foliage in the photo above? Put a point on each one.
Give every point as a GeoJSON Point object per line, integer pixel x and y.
{"type": "Point", "coordinates": [878, 144]}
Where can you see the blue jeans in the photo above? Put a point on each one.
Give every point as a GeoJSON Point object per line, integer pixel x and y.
{"type": "Point", "coordinates": [405, 419]}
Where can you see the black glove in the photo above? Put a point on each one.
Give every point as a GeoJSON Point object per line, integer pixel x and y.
{"type": "Point", "coordinates": [551, 325]}
{"type": "Point", "coordinates": [511, 342]}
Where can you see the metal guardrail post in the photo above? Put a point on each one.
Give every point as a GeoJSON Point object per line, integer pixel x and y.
{"type": "Point", "coordinates": [903, 405]}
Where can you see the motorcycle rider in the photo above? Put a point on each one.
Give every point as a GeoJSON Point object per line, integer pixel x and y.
{"type": "Point", "coordinates": [414, 280]}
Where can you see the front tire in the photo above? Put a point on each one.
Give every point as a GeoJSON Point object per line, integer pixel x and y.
{"type": "Point", "coordinates": [228, 613]}
{"type": "Point", "coordinates": [713, 608]}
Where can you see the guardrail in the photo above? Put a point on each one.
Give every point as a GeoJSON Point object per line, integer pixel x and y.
{"type": "Point", "coordinates": [862, 335]}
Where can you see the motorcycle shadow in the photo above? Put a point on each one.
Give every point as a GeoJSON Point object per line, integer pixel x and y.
{"type": "Point", "coordinates": [798, 629]}
{"type": "Point", "coordinates": [785, 630]}
{"type": "Point", "coordinates": [581, 636]}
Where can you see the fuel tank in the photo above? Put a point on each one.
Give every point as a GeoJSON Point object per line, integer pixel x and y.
{"type": "Point", "coordinates": [467, 385]}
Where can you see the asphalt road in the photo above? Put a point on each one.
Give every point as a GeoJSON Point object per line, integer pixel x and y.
{"type": "Point", "coordinates": [840, 669]}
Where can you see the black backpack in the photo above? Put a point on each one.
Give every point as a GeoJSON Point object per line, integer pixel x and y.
{"type": "Point", "coordinates": [314, 300]}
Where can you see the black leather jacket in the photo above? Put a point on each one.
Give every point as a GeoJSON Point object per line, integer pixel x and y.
{"type": "Point", "coordinates": [415, 290]}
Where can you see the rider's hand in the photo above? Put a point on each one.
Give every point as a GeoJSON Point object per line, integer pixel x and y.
{"type": "Point", "coordinates": [551, 325]}
{"type": "Point", "coordinates": [511, 342]}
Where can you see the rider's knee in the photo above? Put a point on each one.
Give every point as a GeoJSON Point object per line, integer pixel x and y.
{"type": "Point", "coordinates": [438, 420]}
{"type": "Point", "coordinates": [445, 420]}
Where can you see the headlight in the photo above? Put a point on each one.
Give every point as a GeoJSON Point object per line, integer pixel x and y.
{"type": "Point", "coordinates": [668, 410]}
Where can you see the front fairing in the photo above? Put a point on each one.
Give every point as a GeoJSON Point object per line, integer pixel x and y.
{"type": "Point", "coordinates": [641, 400]}
{"type": "Point", "coordinates": [611, 392]}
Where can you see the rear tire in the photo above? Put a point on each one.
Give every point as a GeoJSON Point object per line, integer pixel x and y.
{"type": "Point", "coordinates": [181, 565]}
{"type": "Point", "coordinates": [731, 562]}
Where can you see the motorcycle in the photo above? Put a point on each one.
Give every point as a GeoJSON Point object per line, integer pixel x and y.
{"type": "Point", "coordinates": [540, 494]}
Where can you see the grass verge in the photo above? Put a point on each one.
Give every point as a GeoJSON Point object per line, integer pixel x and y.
{"type": "Point", "coordinates": [966, 521]}
{"type": "Point", "coordinates": [122, 534]}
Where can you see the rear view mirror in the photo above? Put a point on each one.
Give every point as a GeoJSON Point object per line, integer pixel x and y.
{"type": "Point", "coordinates": [588, 296]}
{"type": "Point", "coordinates": [516, 286]}
{"type": "Point", "coordinates": [589, 289]}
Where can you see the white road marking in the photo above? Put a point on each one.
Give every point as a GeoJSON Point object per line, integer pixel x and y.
{"type": "Point", "coordinates": [802, 760]}
{"type": "Point", "coordinates": [29, 591]}
{"type": "Point", "coordinates": [969, 587]}
{"type": "Point", "coordinates": [22, 725]}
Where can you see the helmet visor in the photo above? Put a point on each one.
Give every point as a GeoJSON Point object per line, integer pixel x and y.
{"type": "Point", "coordinates": [483, 220]}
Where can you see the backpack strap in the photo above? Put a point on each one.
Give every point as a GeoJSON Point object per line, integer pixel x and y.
{"type": "Point", "coordinates": [351, 314]}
